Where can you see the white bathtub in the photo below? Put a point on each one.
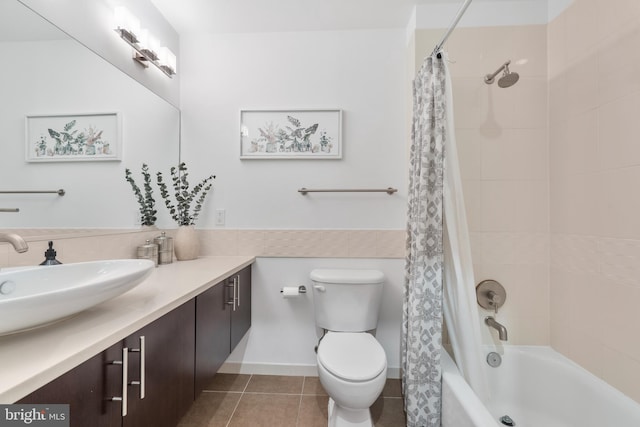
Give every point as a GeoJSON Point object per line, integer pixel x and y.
{"type": "Point", "coordinates": [536, 387]}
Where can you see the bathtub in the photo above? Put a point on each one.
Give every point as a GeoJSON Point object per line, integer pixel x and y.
{"type": "Point", "coordinates": [535, 387]}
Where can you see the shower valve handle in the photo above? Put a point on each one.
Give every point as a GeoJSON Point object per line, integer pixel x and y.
{"type": "Point", "coordinates": [494, 300]}
{"type": "Point", "coordinates": [491, 295]}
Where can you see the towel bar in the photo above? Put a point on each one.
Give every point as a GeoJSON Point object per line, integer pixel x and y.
{"type": "Point", "coordinates": [389, 190]}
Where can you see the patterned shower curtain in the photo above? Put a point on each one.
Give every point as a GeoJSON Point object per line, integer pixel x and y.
{"type": "Point", "coordinates": [422, 304]}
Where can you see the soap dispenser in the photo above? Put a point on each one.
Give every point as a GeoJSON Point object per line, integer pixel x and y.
{"type": "Point", "coordinates": [50, 256]}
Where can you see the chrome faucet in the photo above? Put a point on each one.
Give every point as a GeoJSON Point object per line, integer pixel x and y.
{"type": "Point", "coordinates": [502, 331]}
{"type": "Point", "coordinates": [18, 242]}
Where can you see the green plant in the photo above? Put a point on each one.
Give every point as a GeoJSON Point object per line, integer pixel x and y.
{"type": "Point", "coordinates": [180, 209]}
{"type": "Point", "coordinates": [146, 201]}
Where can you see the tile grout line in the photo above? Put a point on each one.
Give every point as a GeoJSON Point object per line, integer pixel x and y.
{"type": "Point", "coordinates": [304, 380]}
{"type": "Point", "coordinates": [247, 384]}
{"type": "Point", "coordinates": [238, 403]}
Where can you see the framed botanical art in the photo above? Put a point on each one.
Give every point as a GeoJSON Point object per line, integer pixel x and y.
{"type": "Point", "coordinates": [73, 137]}
{"type": "Point", "coordinates": [291, 134]}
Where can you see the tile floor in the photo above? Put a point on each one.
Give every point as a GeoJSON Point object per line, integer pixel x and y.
{"type": "Point", "coordinates": [236, 400]}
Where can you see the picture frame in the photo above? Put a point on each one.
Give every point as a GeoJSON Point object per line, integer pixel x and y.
{"type": "Point", "coordinates": [82, 137]}
{"type": "Point", "coordinates": [291, 134]}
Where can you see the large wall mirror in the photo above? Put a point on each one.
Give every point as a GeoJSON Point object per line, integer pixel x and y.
{"type": "Point", "coordinates": [45, 72]}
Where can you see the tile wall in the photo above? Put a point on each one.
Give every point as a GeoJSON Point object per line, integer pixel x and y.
{"type": "Point", "coordinates": [74, 245]}
{"type": "Point", "coordinates": [503, 149]}
{"type": "Point", "coordinates": [88, 245]}
{"type": "Point", "coordinates": [594, 132]}
{"type": "Point", "coordinates": [305, 243]}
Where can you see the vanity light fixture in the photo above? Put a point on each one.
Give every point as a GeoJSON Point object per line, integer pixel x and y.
{"type": "Point", "coordinates": [147, 48]}
{"type": "Point", "coordinates": [167, 61]}
{"type": "Point", "coordinates": [127, 25]}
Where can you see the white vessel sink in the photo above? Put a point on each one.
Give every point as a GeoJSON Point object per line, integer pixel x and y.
{"type": "Point", "coordinates": [35, 296]}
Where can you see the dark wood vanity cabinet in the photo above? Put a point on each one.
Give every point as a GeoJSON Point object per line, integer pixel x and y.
{"type": "Point", "coordinates": [86, 389]}
{"type": "Point", "coordinates": [168, 358]}
{"type": "Point", "coordinates": [159, 358]}
{"type": "Point", "coordinates": [172, 358]}
{"type": "Point", "coordinates": [241, 315]}
{"type": "Point", "coordinates": [213, 333]}
{"type": "Point", "coordinates": [223, 316]}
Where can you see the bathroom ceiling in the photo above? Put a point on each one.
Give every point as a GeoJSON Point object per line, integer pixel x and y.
{"type": "Point", "coordinates": [237, 16]}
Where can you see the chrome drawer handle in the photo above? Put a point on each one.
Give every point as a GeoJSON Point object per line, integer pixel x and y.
{"type": "Point", "coordinates": [232, 300]}
{"type": "Point", "coordinates": [125, 380]}
{"type": "Point", "coordinates": [143, 369]}
{"type": "Point", "coordinates": [235, 294]}
{"type": "Point", "coordinates": [236, 280]}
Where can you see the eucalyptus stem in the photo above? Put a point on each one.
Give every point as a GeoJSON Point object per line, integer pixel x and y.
{"type": "Point", "coordinates": [145, 199]}
{"type": "Point", "coordinates": [183, 196]}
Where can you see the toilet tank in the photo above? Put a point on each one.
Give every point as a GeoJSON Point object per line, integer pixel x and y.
{"type": "Point", "coordinates": [347, 300]}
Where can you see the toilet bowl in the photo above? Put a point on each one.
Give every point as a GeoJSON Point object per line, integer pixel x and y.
{"type": "Point", "coordinates": [352, 365]}
{"type": "Point", "coordinates": [352, 368]}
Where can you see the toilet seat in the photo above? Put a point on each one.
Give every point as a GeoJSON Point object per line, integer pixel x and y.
{"type": "Point", "coordinates": [352, 356]}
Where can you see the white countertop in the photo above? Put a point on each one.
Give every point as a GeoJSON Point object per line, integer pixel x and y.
{"type": "Point", "coordinates": [31, 359]}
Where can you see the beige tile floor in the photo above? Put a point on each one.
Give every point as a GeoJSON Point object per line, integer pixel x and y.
{"type": "Point", "coordinates": [236, 400]}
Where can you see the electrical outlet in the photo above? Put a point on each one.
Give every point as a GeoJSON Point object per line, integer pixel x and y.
{"type": "Point", "coordinates": [220, 216]}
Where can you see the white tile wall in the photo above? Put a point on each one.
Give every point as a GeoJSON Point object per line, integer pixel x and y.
{"type": "Point", "coordinates": [266, 243]}
{"type": "Point", "coordinates": [503, 149]}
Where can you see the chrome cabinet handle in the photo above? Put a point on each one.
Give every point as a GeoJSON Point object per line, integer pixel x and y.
{"type": "Point", "coordinates": [237, 282]}
{"type": "Point", "coordinates": [235, 295]}
{"type": "Point", "coordinates": [235, 298]}
{"type": "Point", "coordinates": [143, 369]}
{"type": "Point", "coordinates": [125, 380]}
{"type": "Point", "coordinates": [232, 300]}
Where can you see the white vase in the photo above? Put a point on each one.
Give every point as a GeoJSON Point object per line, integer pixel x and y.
{"type": "Point", "coordinates": [186, 244]}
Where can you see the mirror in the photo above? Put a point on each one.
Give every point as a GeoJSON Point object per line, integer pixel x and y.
{"type": "Point", "coordinates": [46, 73]}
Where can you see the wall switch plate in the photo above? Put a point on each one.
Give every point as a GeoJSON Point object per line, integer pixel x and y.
{"type": "Point", "coordinates": [220, 216]}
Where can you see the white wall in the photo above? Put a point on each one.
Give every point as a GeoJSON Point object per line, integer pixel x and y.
{"type": "Point", "coordinates": [92, 23]}
{"type": "Point", "coordinates": [63, 77]}
{"type": "Point", "coordinates": [360, 72]}
{"type": "Point", "coordinates": [283, 333]}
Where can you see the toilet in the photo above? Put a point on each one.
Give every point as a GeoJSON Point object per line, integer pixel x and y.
{"type": "Point", "coordinates": [352, 365]}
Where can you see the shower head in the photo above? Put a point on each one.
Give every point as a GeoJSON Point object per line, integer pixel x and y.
{"type": "Point", "coordinates": [508, 78]}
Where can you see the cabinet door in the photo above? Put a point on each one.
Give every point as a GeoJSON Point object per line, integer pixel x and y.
{"type": "Point", "coordinates": [213, 331]}
{"type": "Point", "coordinates": [241, 316]}
{"type": "Point", "coordinates": [168, 369]}
{"type": "Point", "coordinates": [87, 389]}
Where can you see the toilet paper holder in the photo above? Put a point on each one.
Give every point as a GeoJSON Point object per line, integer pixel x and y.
{"type": "Point", "coordinates": [301, 289]}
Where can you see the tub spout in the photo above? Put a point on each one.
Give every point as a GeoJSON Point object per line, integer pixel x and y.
{"type": "Point", "coordinates": [18, 242]}
{"type": "Point", "coordinates": [502, 331]}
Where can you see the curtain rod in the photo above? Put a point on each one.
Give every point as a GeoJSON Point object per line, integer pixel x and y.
{"type": "Point", "coordinates": [453, 25]}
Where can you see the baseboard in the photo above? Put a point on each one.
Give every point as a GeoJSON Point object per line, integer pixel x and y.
{"type": "Point", "coordinates": [282, 369]}
{"type": "Point", "coordinates": [269, 369]}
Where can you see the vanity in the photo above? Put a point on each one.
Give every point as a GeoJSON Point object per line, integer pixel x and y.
{"type": "Point", "coordinates": [140, 358]}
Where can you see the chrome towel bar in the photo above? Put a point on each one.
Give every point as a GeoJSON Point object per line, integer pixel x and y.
{"type": "Point", "coordinates": [389, 190]}
{"type": "Point", "coordinates": [9, 210]}
{"type": "Point", "coordinates": [59, 192]}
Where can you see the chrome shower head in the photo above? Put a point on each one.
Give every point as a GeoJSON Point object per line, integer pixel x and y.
{"type": "Point", "coordinates": [508, 78]}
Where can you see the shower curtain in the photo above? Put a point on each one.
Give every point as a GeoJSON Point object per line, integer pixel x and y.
{"type": "Point", "coordinates": [438, 268]}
